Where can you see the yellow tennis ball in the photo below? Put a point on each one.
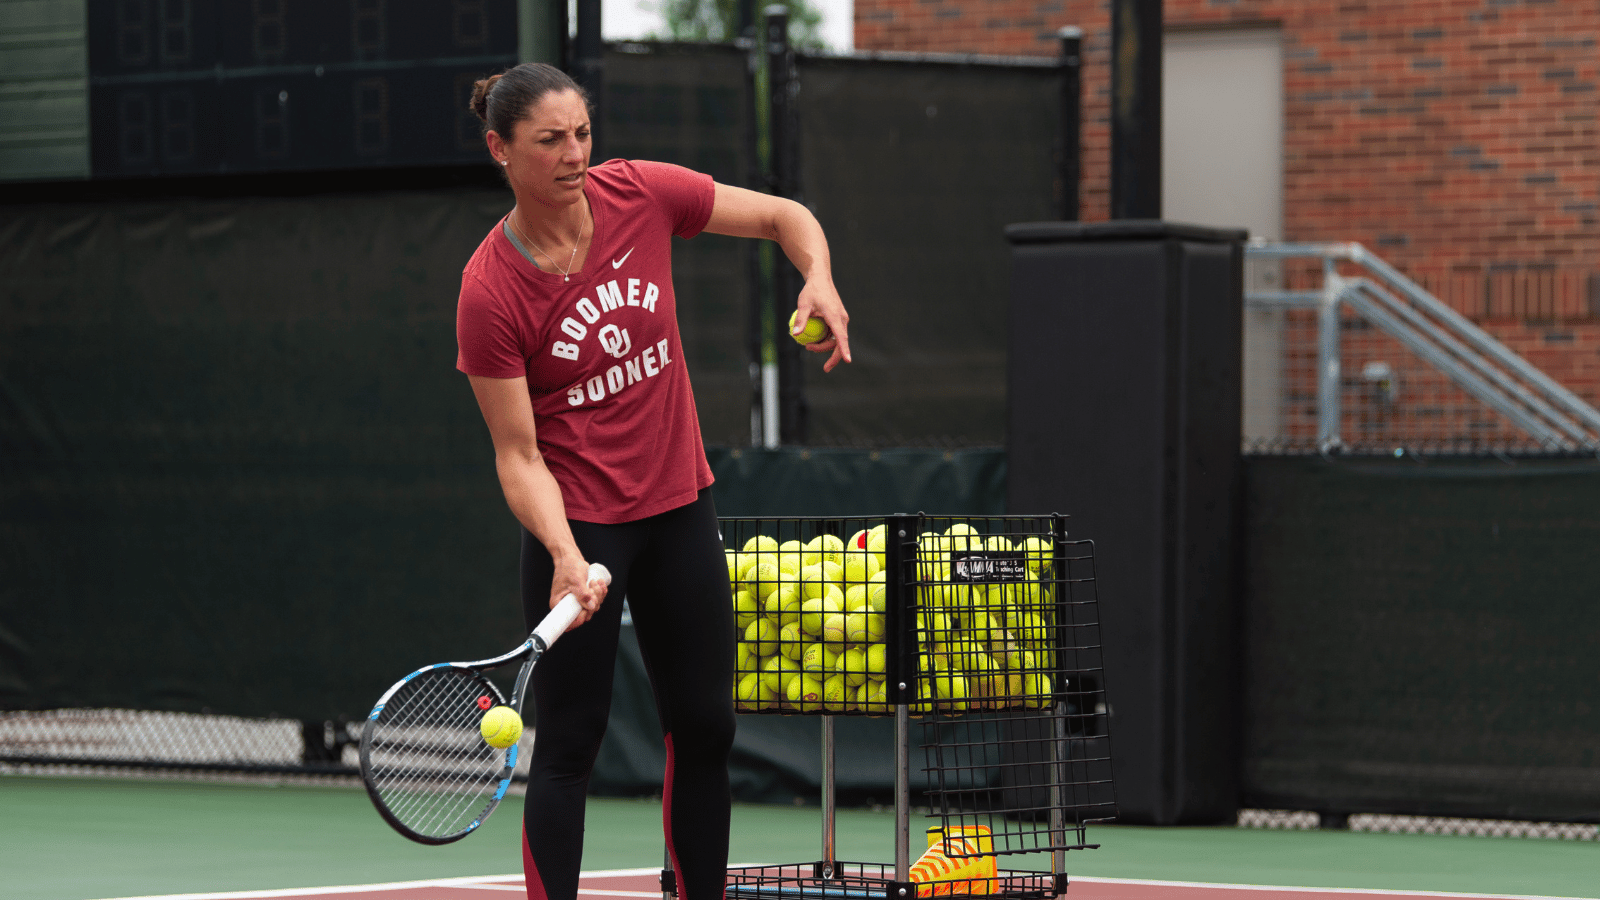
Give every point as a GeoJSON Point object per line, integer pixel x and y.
{"type": "Point", "coordinates": [833, 693]}
{"type": "Point", "coordinates": [748, 691]}
{"type": "Point", "coordinates": [855, 628]}
{"type": "Point", "coordinates": [501, 727]}
{"type": "Point", "coordinates": [852, 664]}
{"type": "Point", "coordinates": [833, 630]}
{"type": "Point", "coordinates": [761, 543]}
{"type": "Point", "coordinates": [859, 567]}
{"type": "Point", "coordinates": [819, 660]}
{"type": "Point", "coordinates": [815, 330]}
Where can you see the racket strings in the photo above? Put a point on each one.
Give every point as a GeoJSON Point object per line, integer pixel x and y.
{"type": "Point", "coordinates": [429, 762]}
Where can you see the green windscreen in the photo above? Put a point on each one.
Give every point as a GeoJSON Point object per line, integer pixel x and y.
{"type": "Point", "coordinates": [914, 169]}
{"type": "Point", "coordinates": [1420, 637]}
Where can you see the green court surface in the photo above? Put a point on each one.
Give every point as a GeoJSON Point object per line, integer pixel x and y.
{"type": "Point", "coordinates": [91, 838]}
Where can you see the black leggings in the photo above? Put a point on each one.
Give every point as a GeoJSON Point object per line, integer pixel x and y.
{"type": "Point", "coordinates": [672, 571]}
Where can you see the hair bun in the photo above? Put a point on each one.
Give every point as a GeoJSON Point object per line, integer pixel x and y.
{"type": "Point", "coordinates": [480, 96]}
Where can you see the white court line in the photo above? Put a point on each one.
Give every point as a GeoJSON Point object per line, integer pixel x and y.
{"type": "Point", "coordinates": [1314, 890]}
{"type": "Point", "coordinates": [486, 882]}
{"type": "Point", "coordinates": [592, 892]}
{"type": "Point", "coordinates": [466, 882]}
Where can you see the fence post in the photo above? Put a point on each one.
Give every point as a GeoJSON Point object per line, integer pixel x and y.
{"type": "Point", "coordinates": [1328, 364]}
{"type": "Point", "coordinates": [782, 129]}
{"type": "Point", "coordinates": [588, 63]}
{"type": "Point", "coordinates": [763, 428]}
{"type": "Point", "coordinates": [1071, 119]}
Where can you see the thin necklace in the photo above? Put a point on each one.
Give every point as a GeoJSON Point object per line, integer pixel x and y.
{"type": "Point", "coordinates": [553, 264]}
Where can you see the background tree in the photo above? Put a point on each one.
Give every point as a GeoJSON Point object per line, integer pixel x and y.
{"type": "Point", "coordinates": [718, 21]}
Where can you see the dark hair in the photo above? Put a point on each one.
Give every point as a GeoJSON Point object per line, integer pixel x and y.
{"type": "Point", "coordinates": [503, 100]}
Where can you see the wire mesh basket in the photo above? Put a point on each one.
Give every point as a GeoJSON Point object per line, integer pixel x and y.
{"type": "Point", "coordinates": [984, 628]}
{"type": "Point", "coordinates": [868, 881]}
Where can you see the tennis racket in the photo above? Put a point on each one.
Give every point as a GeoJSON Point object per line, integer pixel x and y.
{"type": "Point", "coordinates": [423, 760]}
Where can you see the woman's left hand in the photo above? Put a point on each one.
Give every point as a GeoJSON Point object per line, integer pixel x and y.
{"type": "Point", "coordinates": [819, 298]}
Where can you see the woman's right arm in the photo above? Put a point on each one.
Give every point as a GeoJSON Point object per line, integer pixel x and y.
{"type": "Point", "coordinates": [530, 490]}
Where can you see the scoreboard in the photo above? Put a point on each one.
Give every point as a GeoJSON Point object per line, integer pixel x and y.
{"type": "Point", "coordinates": [188, 87]}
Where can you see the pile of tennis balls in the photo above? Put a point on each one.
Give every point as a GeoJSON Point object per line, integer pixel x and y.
{"type": "Point", "coordinates": [811, 620]}
{"type": "Point", "coordinates": [983, 646]}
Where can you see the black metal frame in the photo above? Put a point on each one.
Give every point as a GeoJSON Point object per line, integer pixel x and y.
{"type": "Point", "coordinates": [1029, 769]}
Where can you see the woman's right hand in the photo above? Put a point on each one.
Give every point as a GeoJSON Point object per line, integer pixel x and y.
{"type": "Point", "coordinates": [572, 577]}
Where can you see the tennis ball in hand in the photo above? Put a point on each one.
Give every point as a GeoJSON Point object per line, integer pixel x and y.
{"type": "Point", "coordinates": [501, 727]}
{"type": "Point", "coordinates": [815, 330]}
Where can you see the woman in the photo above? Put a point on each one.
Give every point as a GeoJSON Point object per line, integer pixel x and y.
{"type": "Point", "coordinates": [568, 333]}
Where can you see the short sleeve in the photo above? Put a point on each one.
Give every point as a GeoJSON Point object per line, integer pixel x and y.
{"type": "Point", "coordinates": [686, 196]}
{"type": "Point", "coordinates": [486, 339]}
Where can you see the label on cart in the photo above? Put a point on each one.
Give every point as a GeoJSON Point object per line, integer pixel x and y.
{"type": "Point", "coordinates": [988, 566]}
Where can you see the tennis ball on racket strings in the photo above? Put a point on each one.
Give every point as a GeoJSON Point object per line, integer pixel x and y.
{"type": "Point", "coordinates": [501, 727]}
{"type": "Point", "coordinates": [815, 330]}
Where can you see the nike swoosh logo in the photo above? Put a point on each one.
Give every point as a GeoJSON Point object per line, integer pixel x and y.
{"type": "Point", "coordinates": [617, 263]}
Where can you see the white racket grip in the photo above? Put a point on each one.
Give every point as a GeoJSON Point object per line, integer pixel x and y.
{"type": "Point", "coordinates": [555, 624]}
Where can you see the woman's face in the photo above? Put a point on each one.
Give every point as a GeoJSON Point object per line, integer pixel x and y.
{"type": "Point", "coordinates": [547, 159]}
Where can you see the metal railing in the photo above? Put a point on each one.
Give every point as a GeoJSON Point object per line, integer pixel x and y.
{"type": "Point", "coordinates": [1550, 415]}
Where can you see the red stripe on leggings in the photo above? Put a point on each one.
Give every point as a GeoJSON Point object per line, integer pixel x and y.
{"type": "Point", "coordinates": [666, 820]}
{"type": "Point", "coordinates": [530, 870]}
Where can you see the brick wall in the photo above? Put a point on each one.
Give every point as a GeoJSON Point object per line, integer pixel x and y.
{"type": "Point", "coordinates": [1455, 138]}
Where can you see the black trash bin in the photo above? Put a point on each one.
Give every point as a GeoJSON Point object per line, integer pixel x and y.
{"type": "Point", "coordinates": [1124, 386]}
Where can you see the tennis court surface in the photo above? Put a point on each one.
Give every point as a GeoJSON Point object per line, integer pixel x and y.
{"type": "Point", "coordinates": [643, 883]}
{"type": "Point", "coordinates": [79, 838]}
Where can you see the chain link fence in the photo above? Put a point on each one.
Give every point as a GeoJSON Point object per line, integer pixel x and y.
{"type": "Point", "coordinates": [1384, 823]}
{"type": "Point", "coordinates": [195, 747]}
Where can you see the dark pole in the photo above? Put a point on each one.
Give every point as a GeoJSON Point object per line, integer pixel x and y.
{"type": "Point", "coordinates": [747, 19]}
{"type": "Point", "coordinates": [588, 69]}
{"type": "Point", "coordinates": [755, 180]}
{"type": "Point", "coordinates": [1135, 109]}
{"type": "Point", "coordinates": [1071, 119]}
{"type": "Point", "coordinates": [785, 171]}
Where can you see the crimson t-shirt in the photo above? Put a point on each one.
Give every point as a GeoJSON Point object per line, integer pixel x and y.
{"type": "Point", "coordinates": [612, 405]}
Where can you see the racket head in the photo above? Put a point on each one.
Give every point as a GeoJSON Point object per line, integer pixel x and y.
{"type": "Point", "coordinates": [423, 760]}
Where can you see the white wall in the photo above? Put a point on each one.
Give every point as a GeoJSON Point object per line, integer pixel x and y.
{"type": "Point", "coordinates": [1222, 164]}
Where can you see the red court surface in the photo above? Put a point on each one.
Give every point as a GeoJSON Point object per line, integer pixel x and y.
{"type": "Point", "coordinates": [643, 883]}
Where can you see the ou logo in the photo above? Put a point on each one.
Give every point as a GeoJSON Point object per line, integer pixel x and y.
{"type": "Point", "coordinates": [615, 341]}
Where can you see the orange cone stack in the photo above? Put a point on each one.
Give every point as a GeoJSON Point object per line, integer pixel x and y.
{"type": "Point", "coordinates": [959, 860]}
